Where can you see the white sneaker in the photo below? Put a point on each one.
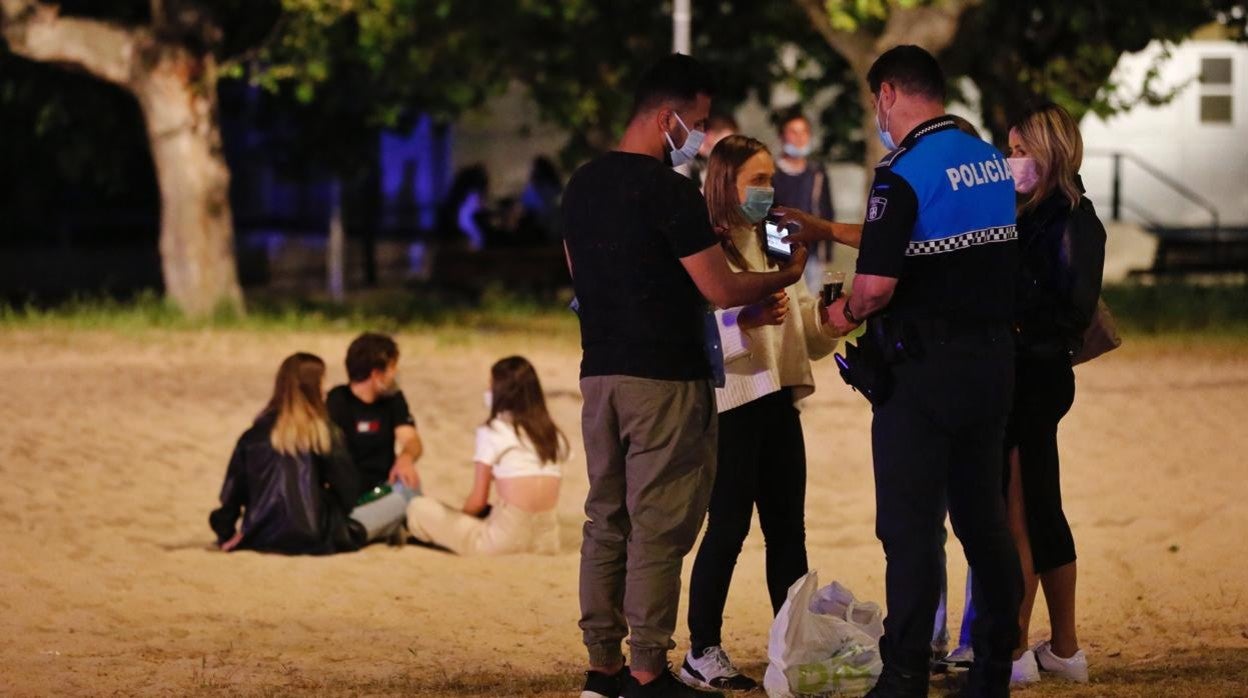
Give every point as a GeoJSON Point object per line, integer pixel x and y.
{"type": "Point", "coordinates": [1025, 670]}
{"type": "Point", "coordinates": [961, 657]}
{"type": "Point", "coordinates": [1073, 668]}
{"type": "Point", "coordinates": [714, 670]}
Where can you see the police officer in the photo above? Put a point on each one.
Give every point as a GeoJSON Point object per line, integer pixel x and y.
{"type": "Point", "coordinates": [934, 282]}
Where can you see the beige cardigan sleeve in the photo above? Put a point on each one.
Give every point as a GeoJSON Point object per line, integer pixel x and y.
{"type": "Point", "coordinates": [820, 340]}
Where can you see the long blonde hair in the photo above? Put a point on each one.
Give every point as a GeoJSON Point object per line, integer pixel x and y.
{"type": "Point", "coordinates": [722, 200]}
{"type": "Point", "coordinates": [302, 421]}
{"type": "Point", "coordinates": [1050, 135]}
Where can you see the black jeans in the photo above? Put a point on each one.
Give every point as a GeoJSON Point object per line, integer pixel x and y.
{"type": "Point", "coordinates": [762, 460]}
{"type": "Point", "coordinates": [1044, 391]}
{"type": "Point", "coordinates": [937, 442]}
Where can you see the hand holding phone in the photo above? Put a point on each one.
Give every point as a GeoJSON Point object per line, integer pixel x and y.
{"type": "Point", "coordinates": [776, 246]}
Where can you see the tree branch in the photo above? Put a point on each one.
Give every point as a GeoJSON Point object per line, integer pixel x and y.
{"type": "Point", "coordinates": [257, 52]}
{"type": "Point", "coordinates": [36, 31]}
{"type": "Point", "coordinates": [855, 47]}
{"type": "Point", "coordinates": [929, 26]}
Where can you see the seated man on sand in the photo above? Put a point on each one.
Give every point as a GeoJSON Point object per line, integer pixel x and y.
{"type": "Point", "coordinates": [376, 422]}
{"type": "Point", "coordinates": [520, 449]}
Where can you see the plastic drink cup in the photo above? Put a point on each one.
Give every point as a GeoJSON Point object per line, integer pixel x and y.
{"type": "Point", "coordinates": [833, 286]}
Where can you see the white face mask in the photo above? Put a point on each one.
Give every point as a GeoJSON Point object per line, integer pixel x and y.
{"type": "Point", "coordinates": [488, 398]}
{"type": "Point", "coordinates": [885, 137]}
{"type": "Point", "coordinates": [687, 152]}
{"type": "Point", "coordinates": [795, 151]}
{"type": "Point", "coordinates": [1026, 175]}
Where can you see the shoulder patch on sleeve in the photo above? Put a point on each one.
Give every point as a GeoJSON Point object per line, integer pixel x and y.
{"type": "Point", "coordinates": [875, 208]}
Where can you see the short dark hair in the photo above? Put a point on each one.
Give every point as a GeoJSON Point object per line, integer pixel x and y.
{"type": "Point", "coordinates": [793, 113]}
{"type": "Point", "coordinates": [721, 121]}
{"type": "Point", "coordinates": [368, 352]}
{"type": "Point", "coordinates": [911, 69]}
{"type": "Point", "coordinates": [674, 78]}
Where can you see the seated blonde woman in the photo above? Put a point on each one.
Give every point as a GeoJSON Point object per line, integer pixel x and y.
{"type": "Point", "coordinates": [290, 480]}
{"type": "Point", "coordinates": [520, 450]}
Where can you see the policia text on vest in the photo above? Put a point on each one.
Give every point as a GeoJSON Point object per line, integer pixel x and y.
{"type": "Point", "coordinates": [983, 172]}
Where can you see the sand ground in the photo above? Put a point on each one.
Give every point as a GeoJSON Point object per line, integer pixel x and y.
{"type": "Point", "coordinates": [113, 446]}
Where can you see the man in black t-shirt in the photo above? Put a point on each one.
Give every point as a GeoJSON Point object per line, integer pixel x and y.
{"type": "Point", "coordinates": [644, 260]}
{"type": "Point", "coordinates": [375, 420]}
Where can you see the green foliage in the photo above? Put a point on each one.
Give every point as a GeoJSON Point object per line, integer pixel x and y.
{"type": "Point", "coordinates": [869, 15]}
{"type": "Point", "coordinates": [498, 311]}
{"type": "Point", "coordinates": [391, 56]}
{"type": "Point", "coordinates": [580, 60]}
{"type": "Point", "coordinates": [1169, 310]}
{"type": "Point", "coordinates": [1178, 308]}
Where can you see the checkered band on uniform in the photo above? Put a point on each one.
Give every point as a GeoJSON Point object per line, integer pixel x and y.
{"type": "Point", "coordinates": [960, 242]}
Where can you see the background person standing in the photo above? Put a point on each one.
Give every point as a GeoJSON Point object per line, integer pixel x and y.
{"type": "Point", "coordinates": [802, 183]}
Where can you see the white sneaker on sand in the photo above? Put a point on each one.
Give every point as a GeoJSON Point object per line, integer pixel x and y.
{"type": "Point", "coordinates": [714, 670]}
{"type": "Point", "coordinates": [1025, 670]}
{"type": "Point", "coordinates": [1072, 668]}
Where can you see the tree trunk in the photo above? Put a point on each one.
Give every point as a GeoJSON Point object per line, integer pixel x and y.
{"type": "Point", "coordinates": [932, 26]}
{"type": "Point", "coordinates": [179, 101]}
{"type": "Point", "coordinates": [176, 90]}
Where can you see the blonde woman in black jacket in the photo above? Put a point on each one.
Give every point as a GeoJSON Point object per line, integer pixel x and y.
{"type": "Point", "coordinates": [290, 478]}
{"type": "Point", "coordinates": [1062, 254]}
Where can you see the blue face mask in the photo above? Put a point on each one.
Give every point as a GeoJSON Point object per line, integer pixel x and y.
{"type": "Point", "coordinates": [795, 151]}
{"type": "Point", "coordinates": [885, 137]}
{"type": "Point", "coordinates": [758, 202]}
{"type": "Point", "coordinates": [687, 152]}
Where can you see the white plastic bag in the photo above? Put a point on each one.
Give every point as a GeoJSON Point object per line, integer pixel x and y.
{"type": "Point", "coordinates": [824, 642]}
{"type": "Point", "coordinates": [836, 600]}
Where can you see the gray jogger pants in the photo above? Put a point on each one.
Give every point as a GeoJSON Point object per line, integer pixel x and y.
{"type": "Point", "coordinates": [650, 451]}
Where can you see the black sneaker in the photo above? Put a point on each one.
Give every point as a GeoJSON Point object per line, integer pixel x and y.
{"type": "Point", "coordinates": [665, 686]}
{"type": "Point", "coordinates": [714, 670]}
{"type": "Point", "coordinates": [600, 685]}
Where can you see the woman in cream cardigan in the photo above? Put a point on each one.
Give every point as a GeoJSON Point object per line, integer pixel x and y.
{"type": "Point", "coordinates": [767, 348]}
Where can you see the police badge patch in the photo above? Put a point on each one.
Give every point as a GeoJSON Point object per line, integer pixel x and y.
{"type": "Point", "coordinates": [875, 208]}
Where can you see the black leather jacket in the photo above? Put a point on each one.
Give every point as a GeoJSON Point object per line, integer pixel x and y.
{"type": "Point", "coordinates": [290, 504]}
{"type": "Point", "coordinates": [1062, 254]}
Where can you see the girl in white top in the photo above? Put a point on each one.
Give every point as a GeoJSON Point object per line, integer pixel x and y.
{"type": "Point", "coordinates": [521, 450]}
{"type": "Point", "coordinates": [767, 349]}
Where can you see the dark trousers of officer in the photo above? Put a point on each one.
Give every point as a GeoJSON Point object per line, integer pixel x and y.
{"type": "Point", "coordinates": [937, 442]}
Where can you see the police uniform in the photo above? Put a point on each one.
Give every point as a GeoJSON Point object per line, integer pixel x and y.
{"type": "Point", "coordinates": [940, 220]}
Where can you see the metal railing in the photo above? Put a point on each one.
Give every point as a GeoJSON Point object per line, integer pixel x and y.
{"type": "Point", "coordinates": [1116, 200]}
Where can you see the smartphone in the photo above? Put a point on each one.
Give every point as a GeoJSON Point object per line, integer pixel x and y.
{"type": "Point", "coordinates": [775, 236]}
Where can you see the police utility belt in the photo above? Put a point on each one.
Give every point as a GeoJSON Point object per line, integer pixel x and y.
{"type": "Point", "coordinates": [890, 340]}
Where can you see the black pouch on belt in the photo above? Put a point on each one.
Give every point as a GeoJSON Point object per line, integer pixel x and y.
{"type": "Point", "coordinates": [868, 366]}
{"type": "Point", "coordinates": [863, 369]}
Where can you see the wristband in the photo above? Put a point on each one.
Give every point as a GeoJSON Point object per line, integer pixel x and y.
{"type": "Point", "coordinates": [849, 314]}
